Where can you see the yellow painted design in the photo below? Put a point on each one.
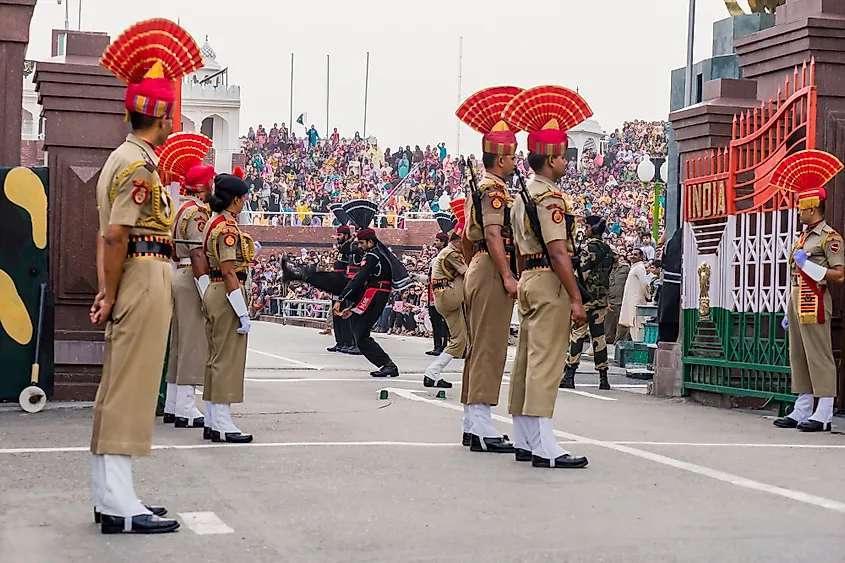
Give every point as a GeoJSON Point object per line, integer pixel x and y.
{"type": "Point", "coordinates": [24, 189]}
{"type": "Point", "coordinates": [13, 314]}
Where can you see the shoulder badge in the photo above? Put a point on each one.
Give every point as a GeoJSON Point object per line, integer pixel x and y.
{"type": "Point", "coordinates": [834, 242]}
{"type": "Point", "coordinates": [230, 239]}
{"type": "Point", "coordinates": [557, 216]}
{"type": "Point", "coordinates": [141, 191]}
{"type": "Point", "coordinates": [201, 224]}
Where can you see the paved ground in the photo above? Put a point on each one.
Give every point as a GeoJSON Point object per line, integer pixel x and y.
{"type": "Point", "coordinates": [337, 475]}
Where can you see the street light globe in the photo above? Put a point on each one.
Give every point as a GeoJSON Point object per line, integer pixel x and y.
{"type": "Point", "coordinates": [645, 170]}
{"type": "Point", "coordinates": [664, 171]}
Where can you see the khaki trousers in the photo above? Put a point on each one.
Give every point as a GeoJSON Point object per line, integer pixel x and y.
{"type": "Point", "coordinates": [810, 351]}
{"type": "Point", "coordinates": [545, 313]}
{"type": "Point", "coordinates": [449, 302]}
{"type": "Point", "coordinates": [611, 322]}
{"type": "Point", "coordinates": [135, 345]}
{"type": "Point", "coordinates": [224, 371]}
{"type": "Point", "coordinates": [488, 312]}
{"type": "Point", "coordinates": [188, 343]}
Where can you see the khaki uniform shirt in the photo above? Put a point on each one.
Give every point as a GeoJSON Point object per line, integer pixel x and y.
{"type": "Point", "coordinates": [129, 191]}
{"type": "Point", "coordinates": [823, 246]}
{"type": "Point", "coordinates": [225, 241]}
{"type": "Point", "coordinates": [494, 201]}
{"type": "Point", "coordinates": [551, 208]}
{"type": "Point", "coordinates": [618, 277]}
{"type": "Point", "coordinates": [191, 219]}
{"type": "Point", "coordinates": [449, 264]}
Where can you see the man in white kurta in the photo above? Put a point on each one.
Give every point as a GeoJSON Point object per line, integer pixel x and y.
{"type": "Point", "coordinates": [636, 293]}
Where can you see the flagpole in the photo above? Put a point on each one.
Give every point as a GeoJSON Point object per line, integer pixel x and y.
{"type": "Point", "coordinates": [366, 92]}
{"type": "Point", "coordinates": [460, 76]}
{"type": "Point", "coordinates": [328, 70]}
{"type": "Point", "coordinates": [291, 93]}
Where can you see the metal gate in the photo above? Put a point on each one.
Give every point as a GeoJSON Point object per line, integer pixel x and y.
{"type": "Point", "coordinates": [739, 231]}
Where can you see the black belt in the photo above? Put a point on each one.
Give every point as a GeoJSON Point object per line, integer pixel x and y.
{"type": "Point", "coordinates": [481, 246]}
{"type": "Point", "coordinates": [339, 270]}
{"type": "Point", "coordinates": [380, 284]}
{"type": "Point", "coordinates": [152, 246]}
{"type": "Point", "coordinates": [216, 275]}
{"type": "Point", "coordinates": [537, 263]}
{"type": "Point", "coordinates": [442, 284]}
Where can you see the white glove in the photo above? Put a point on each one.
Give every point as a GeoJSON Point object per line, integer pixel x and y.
{"type": "Point", "coordinates": [202, 284]}
{"type": "Point", "coordinates": [257, 246]}
{"type": "Point", "coordinates": [236, 300]}
{"type": "Point", "coordinates": [815, 271]}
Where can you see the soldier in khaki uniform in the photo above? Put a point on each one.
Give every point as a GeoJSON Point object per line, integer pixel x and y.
{"type": "Point", "coordinates": [181, 160]}
{"type": "Point", "coordinates": [549, 297]}
{"type": "Point", "coordinates": [229, 252]}
{"type": "Point", "coordinates": [816, 260]}
{"type": "Point", "coordinates": [133, 254]}
{"type": "Point", "coordinates": [447, 283]}
{"type": "Point", "coordinates": [490, 282]}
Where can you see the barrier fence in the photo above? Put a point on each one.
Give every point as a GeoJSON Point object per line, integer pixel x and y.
{"type": "Point", "coordinates": [300, 219]}
{"type": "Point", "coordinates": [308, 309]}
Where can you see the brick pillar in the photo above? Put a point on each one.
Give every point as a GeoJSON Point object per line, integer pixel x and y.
{"type": "Point", "coordinates": [805, 30]}
{"type": "Point", "coordinates": [15, 16]}
{"type": "Point", "coordinates": [83, 111]}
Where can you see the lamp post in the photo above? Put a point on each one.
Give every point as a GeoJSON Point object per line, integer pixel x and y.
{"type": "Point", "coordinates": [656, 172]}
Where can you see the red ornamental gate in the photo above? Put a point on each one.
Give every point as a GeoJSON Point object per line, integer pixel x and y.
{"type": "Point", "coordinates": [739, 231]}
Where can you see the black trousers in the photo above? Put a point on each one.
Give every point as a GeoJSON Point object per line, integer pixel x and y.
{"type": "Point", "coordinates": [342, 331]}
{"type": "Point", "coordinates": [331, 282]}
{"type": "Point", "coordinates": [439, 328]}
{"type": "Point", "coordinates": [363, 324]}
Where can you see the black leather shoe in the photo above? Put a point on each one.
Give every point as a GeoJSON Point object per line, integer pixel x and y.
{"type": "Point", "coordinates": [231, 437]}
{"type": "Point", "coordinates": [431, 352]}
{"type": "Point", "coordinates": [169, 418]}
{"type": "Point", "coordinates": [334, 348]}
{"type": "Point", "coordinates": [568, 381]}
{"type": "Point", "coordinates": [182, 422]}
{"type": "Point", "coordinates": [813, 426]}
{"type": "Point", "coordinates": [206, 433]}
{"type": "Point", "coordinates": [785, 422]}
{"type": "Point", "coordinates": [466, 439]}
{"type": "Point", "coordinates": [141, 524]}
{"type": "Point", "coordinates": [157, 510]}
{"type": "Point", "coordinates": [428, 382]}
{"type": "Point", "coordinates": [565, 461]}
{"type": "Point", "coordinates": [490, 445]}
{"type": "Point", "coordinates": [353, 351]}
{"type": "Point", "coordinates": [390, 370]}
{"type": "Point", "coordinates": [443, 384]}
{"type": "Point", "coordinates": [522, 455]}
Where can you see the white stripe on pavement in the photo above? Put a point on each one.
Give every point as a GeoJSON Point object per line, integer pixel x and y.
{"type": "Point", "coordinates": [743, 482]}
{"type": "Point", "coordinates": [204, 523]}
{"type": "Point", "coordinates": [289, 360]}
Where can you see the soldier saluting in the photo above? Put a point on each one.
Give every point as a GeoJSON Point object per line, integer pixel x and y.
{"type": "Point", "coordinates": [816, 260]}
{"type": "Point", "coordinates": [133, 266]}
{"type": "Point", "coordinates": [594, 262]}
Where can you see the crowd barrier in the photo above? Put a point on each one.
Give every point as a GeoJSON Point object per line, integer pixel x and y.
{"type": "Point", "coordinates": [299, 219]}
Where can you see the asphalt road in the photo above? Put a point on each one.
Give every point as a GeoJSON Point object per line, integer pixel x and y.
{"type": "Point", "coordinates": [338, 475]}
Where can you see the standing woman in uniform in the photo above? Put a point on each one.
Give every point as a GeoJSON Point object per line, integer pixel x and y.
{"type": "Point", "coordinates": [229, 252]}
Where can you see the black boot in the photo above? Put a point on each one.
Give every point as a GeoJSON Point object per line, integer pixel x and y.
{"type": "Point", "coordinates": [293, 273]}
{"type": "Point", "coordinates": [568, 381]}
{"type": "Point", "coordinates": [388, 370]}
{"type": "Point", "coordinates": [603, 383]}
{"type": "Point", "coordinates": [353, 351]}
{"type": "Point", "coordinates": [142, 524]}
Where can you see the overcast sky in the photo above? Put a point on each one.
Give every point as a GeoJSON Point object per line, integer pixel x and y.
{"type": "Point", "coordinates": [618, 53]}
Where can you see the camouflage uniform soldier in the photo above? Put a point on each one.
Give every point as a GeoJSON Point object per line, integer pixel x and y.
{"type": "Point", "coordinates": [595, 260]}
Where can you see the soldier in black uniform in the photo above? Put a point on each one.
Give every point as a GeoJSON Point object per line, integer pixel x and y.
{"type": "Point", "coordinates": [593, 263]}
{"type": "Point", "coordinates": [365, 296]}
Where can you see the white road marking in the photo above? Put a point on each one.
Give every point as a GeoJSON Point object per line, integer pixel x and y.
{"type": "Point", "coordinates": [295, 362]}
{"type": "Point", "coordinates": [743, 482]}
{"type": "Point", "coordinates": [590, 395]}
{"type": "Point", "coordinates": [204, 523]}
{"type": "Point", "coordinates": [383, 443]}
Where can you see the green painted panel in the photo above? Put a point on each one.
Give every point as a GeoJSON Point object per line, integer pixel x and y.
{"type": "Point", "coordinates": [24, 259]}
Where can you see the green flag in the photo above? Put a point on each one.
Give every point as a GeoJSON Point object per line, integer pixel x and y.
{"type": "Point", "coordinates": [301, 119]}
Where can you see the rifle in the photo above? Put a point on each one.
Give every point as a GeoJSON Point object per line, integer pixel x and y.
{"type": "Point", "coordinates": [534, 223]}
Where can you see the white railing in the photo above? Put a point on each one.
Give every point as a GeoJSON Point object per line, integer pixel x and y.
{"type": "Point", "coordinates": [303, 219]}
{"type": "Point", "coordinates": [310, 309]}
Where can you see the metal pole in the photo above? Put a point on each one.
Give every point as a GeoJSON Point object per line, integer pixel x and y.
{"type": "Point", "coordinates": [690, 45]}
{"type": "Point", "coordinates": [80, 15]}
{"type": "Point", "coordinates": [290, 123]}
{"type": "Point", "coordinates": [460, 76]}
{"type": "Point", "coordinates": [67, 20]}
{"type": "Point", "coordinates": [366, 92]}
{"type": "Point", "coordinates": [328, 71]}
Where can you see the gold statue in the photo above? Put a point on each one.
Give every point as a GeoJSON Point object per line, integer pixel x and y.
{"type": "Point", "coordinates": [704, 297]}
{"type": "Point", "coordinates": [756, 6]}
